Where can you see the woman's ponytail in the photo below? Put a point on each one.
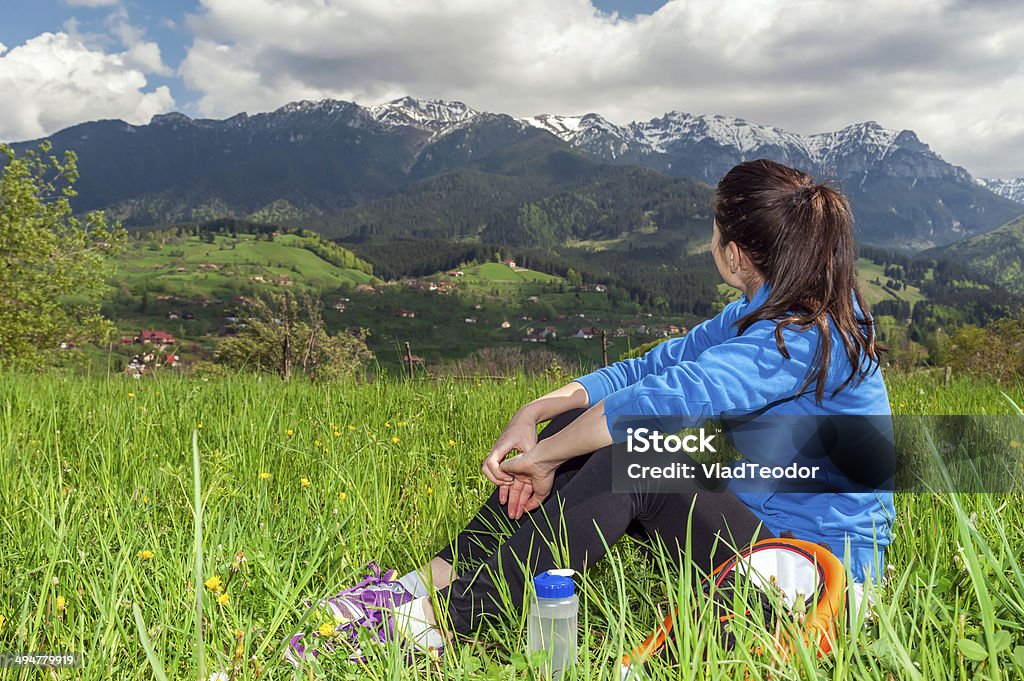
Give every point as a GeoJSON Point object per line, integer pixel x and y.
{"type": "Point", "coordinates": [799, 236]}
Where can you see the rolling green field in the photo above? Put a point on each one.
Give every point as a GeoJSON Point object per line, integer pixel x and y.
{"type": "Point", "coordinates": [189, 275]}
{"type": "Point", "coordinates": [302, 485]}
{"type": "Point", "coordinates": [191, 266]}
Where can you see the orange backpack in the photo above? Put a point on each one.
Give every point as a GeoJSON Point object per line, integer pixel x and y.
{"type": "Point", "coordinates": [792, 565]}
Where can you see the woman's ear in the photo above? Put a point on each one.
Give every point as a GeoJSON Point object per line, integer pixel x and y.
{"type": "Point", "coordinates": [735, 257]}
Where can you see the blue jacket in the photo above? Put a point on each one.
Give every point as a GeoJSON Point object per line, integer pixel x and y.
{"type": "Point", "coordinates": [713, 372]}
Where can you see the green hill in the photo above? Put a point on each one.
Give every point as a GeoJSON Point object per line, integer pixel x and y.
{"type": "Point", "coordinates": [220, 265]}
{"type": "Point", "coordinates": [998, 255]}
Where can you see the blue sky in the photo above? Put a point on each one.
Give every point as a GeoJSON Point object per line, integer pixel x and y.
{"type": "Point", "coordinates": [948, 70]}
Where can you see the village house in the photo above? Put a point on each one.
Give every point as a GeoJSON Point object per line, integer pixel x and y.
{"type": "Point", "coordinates": [159, 337]}
{"type": "Point", "coordinates": [408, 314]}
{"type": "Point", "coordinates": [471, 320]}
{"type": "Point", "coordinates": [505, 324]}
{"type": "Point", "coordinates": [455, 273]}
{"type": "Point", "coordinates": [365, 288]}
{"type": "Point", "coordinates": [539, 335]}
{"type": "Point", "coordinates": [587, 332]}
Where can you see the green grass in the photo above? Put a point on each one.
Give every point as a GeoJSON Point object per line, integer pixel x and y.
{"type": "Point", "coordinates": [96, 471]}
{"type": "Point", "coordinates": [868, 271]}
{"type": "Point", "coordinates": [490, 272]}
{"type": "Point", "coordinates": [237, 259]}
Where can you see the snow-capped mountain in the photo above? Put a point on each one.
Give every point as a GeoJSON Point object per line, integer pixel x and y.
{"type": "Point", "coordinates": [1012, 189]}
{"type": "Point", "coordinates": [592, 133]}
{"type": "Point", "coordinates": [712, 144]}
{"type": "Point", "coordinates": [321, 157]}
{"type": "Point", "coordinates": [435, 115]}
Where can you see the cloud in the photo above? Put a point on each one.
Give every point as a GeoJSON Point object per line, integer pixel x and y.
{"type": "Point", "coordinates": [948, 70]}
{"type": "Point", "coordinates": [140, 54]}
{"type": "Point", "coordinates": [59, 81]}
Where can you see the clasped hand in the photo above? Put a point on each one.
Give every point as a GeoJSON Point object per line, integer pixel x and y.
{"type": "Point", "coordinates": [524, 481]}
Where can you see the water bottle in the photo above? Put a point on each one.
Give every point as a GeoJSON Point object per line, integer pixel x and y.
{"type": "Point", "coordinates": [551, 624]}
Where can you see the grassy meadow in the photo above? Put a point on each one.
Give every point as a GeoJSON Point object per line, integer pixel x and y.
{"type": "Point", "coordinates": [301, 485]}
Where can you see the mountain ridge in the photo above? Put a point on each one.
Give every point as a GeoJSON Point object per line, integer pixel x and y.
{"type": "Point", "coordinates": [317, 158]}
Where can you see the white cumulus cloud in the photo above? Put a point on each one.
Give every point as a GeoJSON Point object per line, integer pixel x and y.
{"type": "Point", "coordinates": [949, 70]}
{"type": "Point", "coordinates": [54, 80]}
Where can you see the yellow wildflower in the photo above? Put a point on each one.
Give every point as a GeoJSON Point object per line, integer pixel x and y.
{"type": "Point", "coordinates": [145, 554]}
{"type": "Point", "coordinates": [264, 475]}
{"type": "Point", "coordinates": [387, 424]}
{"type": "Point", "coordinates": [317, 443]}
{"type": "Point", "coordinates": [60, 603]}
{"type": "Point", "coordinates": [351, 428]}
{"type": "Point", "coordinates": [337, 433]}
{"type": "Point", "coordinates": [305, 482]}
{"type": "Point", "coordinates": [199, 425]}
{"type": "Point", "coordinates": [327, 630]}
{"type": "Point", "coordinates": [396, 440]}
{"type": "Point", "coordinates": [223, 598]}
{"type": "Point", "coordinates": [400, 424]}
{"type": "Point", "coordinates": [131, 396]}
{"type": "Point", "coordinates": [451, 443]}
{"type": "Point", "coordinates": [145, 498]}
{"type": "Point", "coordinates": [214, 584]}
{"type": "Point", "coordinates": [341, 496]}
{"type": "Point", "coordinates": [290, 432]}
{"type": "Point", "coordinates": [430, 490]}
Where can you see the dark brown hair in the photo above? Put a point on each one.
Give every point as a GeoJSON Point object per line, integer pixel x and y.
{"type": "Point", "coordinates": [798, 234]}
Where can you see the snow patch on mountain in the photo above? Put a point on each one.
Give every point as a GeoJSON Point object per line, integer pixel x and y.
{"type": "Point", "coordinates": [661, 134]}
{"type": "Point", "coordinates": [1012, 189]}
{"type": "Point", "coordinates": [435, 115]}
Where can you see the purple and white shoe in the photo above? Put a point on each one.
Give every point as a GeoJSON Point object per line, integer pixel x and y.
{"type": "Point", "coordinates": [367, 606]}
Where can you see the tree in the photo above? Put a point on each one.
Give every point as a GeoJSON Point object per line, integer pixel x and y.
{"type": "Point", "coordinates": [53, 265]}
{"type": "Point", "coordinates": [284, 335]}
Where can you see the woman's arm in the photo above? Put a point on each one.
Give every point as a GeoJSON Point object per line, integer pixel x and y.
{"type": "Point", "coordinates": [533, 471]}
{"type": "Point", "coordinates": [521, 432]}
{"type": "Point", "coordinates": [621, 374]}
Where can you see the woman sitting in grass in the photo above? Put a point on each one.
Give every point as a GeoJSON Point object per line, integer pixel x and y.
{"type": "Point", "coordinates": [798, 343]}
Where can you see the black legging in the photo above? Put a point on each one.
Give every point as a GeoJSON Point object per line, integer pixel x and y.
{"type": "Point", "coordinates": [581, 515]}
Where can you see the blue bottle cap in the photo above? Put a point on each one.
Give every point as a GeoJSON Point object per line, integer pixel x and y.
{"type": "Point", "coordinates": [550, 585]}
